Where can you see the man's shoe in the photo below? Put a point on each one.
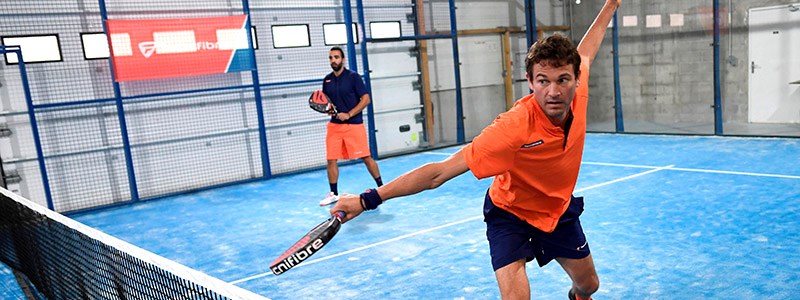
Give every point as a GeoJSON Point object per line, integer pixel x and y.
{"type": "Point", "coordinates": [331, 198]}
{"type": "Point", "coordinates": [572, 296]}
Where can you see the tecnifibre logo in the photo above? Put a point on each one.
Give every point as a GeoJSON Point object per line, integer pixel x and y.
{"type": "Point", "coordinates": [297, 257]}
{"type": "Point", "coordinates": [148, 48]}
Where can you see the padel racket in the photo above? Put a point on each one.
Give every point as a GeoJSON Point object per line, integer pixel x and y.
{"type": "Point", "coordinates": [320, 102]}
{"type": "Point", "coordinates": [308, 245]}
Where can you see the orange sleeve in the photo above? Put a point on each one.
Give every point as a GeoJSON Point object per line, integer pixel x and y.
{"type": "Point", "coordinates": [492, 152]}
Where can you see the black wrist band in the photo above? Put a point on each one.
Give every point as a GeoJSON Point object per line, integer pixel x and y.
{"type": "Point", "coordinates": [371, 199]}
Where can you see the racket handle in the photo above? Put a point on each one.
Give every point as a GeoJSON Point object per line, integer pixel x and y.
{"type": "Point", "coordinates": [340, 214]}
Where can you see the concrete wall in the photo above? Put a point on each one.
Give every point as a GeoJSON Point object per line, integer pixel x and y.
{"type": "Point", "coordinates": [666, 72]}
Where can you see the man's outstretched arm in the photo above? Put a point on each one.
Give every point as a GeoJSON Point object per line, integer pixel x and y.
{"type": "Point", "coordinates": [594, 36]}
{"type": "Point", "coordinates": [428, 176]}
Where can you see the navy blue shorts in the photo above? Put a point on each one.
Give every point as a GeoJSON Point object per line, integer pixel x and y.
{"type": "Point", "coordinates": [512, 239]}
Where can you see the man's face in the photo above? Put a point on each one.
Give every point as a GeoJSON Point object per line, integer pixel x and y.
{"type": "Point", "coordinates": [336, 60]}
{"type": "Point", "coordinates": [554, 88]}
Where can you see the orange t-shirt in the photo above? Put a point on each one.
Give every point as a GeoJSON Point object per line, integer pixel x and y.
{"type": "Point", "coordinates": [535, 170]}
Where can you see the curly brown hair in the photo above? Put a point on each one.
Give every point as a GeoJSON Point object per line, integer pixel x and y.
{"type": "Point", "coordinates": [555, 50]}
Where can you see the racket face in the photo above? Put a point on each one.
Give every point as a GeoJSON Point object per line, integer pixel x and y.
{"type": "Point", "coordinates": [318, 101]}
{"type": "Point", "coordinates": [312, 242]}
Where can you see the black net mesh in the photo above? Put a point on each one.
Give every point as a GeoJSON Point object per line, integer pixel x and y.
{"type": "Point", "coordinates": [64, 259]}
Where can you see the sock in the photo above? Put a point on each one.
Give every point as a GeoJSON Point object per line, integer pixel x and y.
{"type": "Point", "coordinates": [378, 181]}
{"type": "Point", "coordinates": [334, 188]}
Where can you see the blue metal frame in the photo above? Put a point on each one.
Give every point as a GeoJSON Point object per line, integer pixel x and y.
{"type": "Point", "coordinates": [262, 128]}
{"type": "Point", "coordinates": [123, 125]}
{"type": "Point", "coordinates": [34, 125]}
{"type": "Point", "coordinates": [528, 36]}
{"type": "Point", "coordinates": [165, 94]}
{"type": "Point", "coordinates": [98, 101]}
{"type": "Point", "coordinates": [73, 103]}
{"type": "Point", "coordinates": [271, 84]}
{"type": "Point", "coordinates": [530, 21]}
{"type": "Point", "coordinates": [351, 48]}
{"type": "Point", "coordinates": [373, 143]}
{"type": "Point", "coordinates": [717, 89]}
{"type": "Point", "coordinates": [617, 91]}
{"type": "Point", "coordinates": [457, 70]}
{"type": "Point", "coordinates": [530, 26]}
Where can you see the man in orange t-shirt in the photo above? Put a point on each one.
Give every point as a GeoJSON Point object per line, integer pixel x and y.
{"type": "Point", "coordinates": [534, 152]}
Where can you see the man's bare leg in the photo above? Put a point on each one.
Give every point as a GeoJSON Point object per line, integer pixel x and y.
{"type": "Point", "coordinates": [513, 281]}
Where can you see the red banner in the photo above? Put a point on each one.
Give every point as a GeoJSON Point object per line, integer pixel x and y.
{"type": "Point", "coordinates": [165, 48]}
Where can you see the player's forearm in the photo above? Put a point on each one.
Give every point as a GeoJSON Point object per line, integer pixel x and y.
{"type": "Point", "coordinates": [415, 181]}
{"type": "Point", "coordinates": [428, 176]}
{"type": "Point", "coordinates": [591, 41]}
{"type": "Point", "coordinates": [362, 103]}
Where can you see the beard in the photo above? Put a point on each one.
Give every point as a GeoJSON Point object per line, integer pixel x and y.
{"type": "Point", "coordinates": [336, 68]}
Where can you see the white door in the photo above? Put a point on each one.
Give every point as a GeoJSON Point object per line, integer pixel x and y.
{"type": "Point", "coordinates": [774, 80]}
{"type": "Point", "coordinates": [395, 99]}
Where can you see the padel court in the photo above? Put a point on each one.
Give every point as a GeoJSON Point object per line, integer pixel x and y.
{"type": "Point", "coordinates": [183, 128]}
{"type": "Point", "coordinates": [667, 217]}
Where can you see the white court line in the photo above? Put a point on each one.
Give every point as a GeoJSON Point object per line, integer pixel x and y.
{"type": "Point", "coordinates": [623, 178]}
{"type": "Point", "coordinates": [618, 165]}
{"type": "Point", "coordinates": [433, 228]}
{"type": "Point", "coordinates": [673, 169]}
{"type": "Point", "coordinates": [737, 173]}
{"type": "Point", "coordinates": [440, 153]}
{"type": "Point", "coordinates": [697, 170]}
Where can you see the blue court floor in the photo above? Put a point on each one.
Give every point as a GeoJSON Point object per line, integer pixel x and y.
{"type": "Point", "coordinates": [667, 217]}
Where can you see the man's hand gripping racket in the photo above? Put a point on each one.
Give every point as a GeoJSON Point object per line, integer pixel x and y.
{"type": "Point", "coordinates": [318, 101]}
{"type": "Point", "coordinates": [312, 242]}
